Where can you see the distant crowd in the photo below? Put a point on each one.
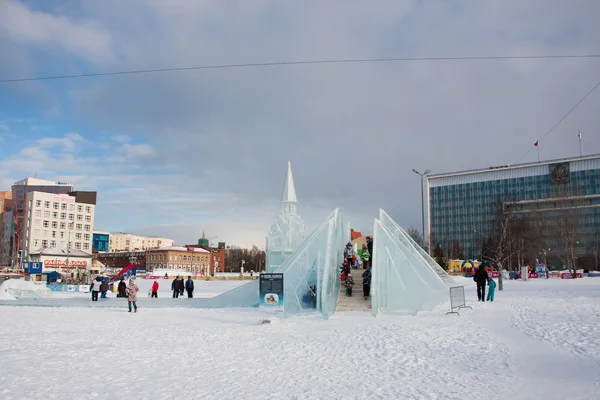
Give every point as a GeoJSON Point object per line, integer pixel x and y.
{"type": "Point", "coordinates": [357, 261]}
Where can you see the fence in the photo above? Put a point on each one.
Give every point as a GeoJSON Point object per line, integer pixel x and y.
{"type": "Point", "coordinates": [457, 299]}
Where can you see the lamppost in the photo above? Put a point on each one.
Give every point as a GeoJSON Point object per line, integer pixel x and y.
{"type": "Point", "coordinates": [422, 175]}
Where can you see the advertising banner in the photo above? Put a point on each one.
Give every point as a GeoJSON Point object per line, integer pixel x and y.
{"type": "Point", "coordinates": [532, 275]}
{"type": "Point", "coordinates": [271, 294]}
{"type": "Point", "coordinates": [84, 288]}
{"type": "Point", "coordinates": [568, 275]}
{"type": "Point", "coordinates": [540, 270]}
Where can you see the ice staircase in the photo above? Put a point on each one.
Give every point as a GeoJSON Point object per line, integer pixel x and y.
{"type": "Point", "coordinates": [357, 302]}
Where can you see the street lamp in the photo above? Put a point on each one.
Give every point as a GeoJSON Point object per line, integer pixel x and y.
{"type": "Point", "coordinates": [422, 175]}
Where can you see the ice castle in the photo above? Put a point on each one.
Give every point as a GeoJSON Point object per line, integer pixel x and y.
{"type": "Point", "coordinates": [287, 231]}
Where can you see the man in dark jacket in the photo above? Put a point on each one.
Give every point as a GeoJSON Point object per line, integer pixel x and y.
{"type": "Point", "coordinates": [175, 288]}
{"type": "Point", "coordinates": [481, 277]}
{"type": "Point", "coordinates": [189, 286]}
{"type": "Point", "coordinates": [122, 289]}
{"type": "Point", "coordinates": [367, 283]}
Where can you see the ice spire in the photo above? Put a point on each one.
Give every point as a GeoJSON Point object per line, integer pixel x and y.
{"type": "Point", "coordinates": [289, 191]}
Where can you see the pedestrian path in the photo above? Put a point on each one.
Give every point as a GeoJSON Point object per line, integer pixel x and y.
{"type": "Point", "coordinates": [357, 302]}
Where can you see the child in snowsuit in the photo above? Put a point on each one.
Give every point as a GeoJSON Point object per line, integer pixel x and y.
{"type": "Point", "coordinates": [492, 285]}
{"type": "Point", "coordinates": [349, 283]}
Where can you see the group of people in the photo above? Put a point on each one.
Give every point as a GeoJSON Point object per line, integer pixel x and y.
{"type": "Point", "coordinates": [99, 285]}
{"type": "Point", "coordinates": [124, 290]}
{"type": "Point", "coordinates": [179, 285]}
{"type": "Point", "coordinates": [482, 278]}
{"type": "Point", "coordinates": [350, 260]}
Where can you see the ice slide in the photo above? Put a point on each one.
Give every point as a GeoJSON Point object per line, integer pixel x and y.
{"type": "Point", "coordinates": [125, 270]}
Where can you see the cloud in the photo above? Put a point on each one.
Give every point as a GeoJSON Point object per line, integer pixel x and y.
{"type": "Point", "coordinates": [68, 143]}
{"type": "Point", "coordinates": [4, 127]}
{"type": "Point", "coordinates": [82, 38]}
{"type": "Point", "coordinates": [353, 132]}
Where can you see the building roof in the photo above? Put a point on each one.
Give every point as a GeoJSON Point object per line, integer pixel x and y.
{"type": "Point", "coordinates": [289, 191]}
{"type": "Point", "coordinates": [60, 253]}
{"type": "Point", "coordinates": [182, 248]}
{"type": "Point", "coordinates": [39, 182]}
{"type": "Point", "coordinates": [514, 166]}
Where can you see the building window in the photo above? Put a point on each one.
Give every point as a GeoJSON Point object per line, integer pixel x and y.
{"type": "Point", "coordinates": [87, 228]}
{"type": "Point", "coordinates": [79, 217]}
{"type": "Point", "coordinates": [86, 237]}
{"type": "Point", "coordinates": [79, 208]}
{"type": "Point", "coordinates": [63, 225]}
{"type": "Point", "coordinates": [44, 243]}
{"type": "Point", "coordinates": [53, 244]}
{"type": "Point", "coordinates": [71, 217]}
{"type": "Point", "coordinates": [46, 224]}
{"type": "Point", "coordinates": [88, 218]}
{"type": "Point", "coordinates": [77, 246]}
{"type": "Point", "coordinates": [63, 207]}
{"type": "Point", "coordinates": [36, 242]}
{"type": "Point", "coordinates": [55, 205]}
{"type": "Point", "coordinates": [170, 257]}
{"type": "Point", "coordinates": [86, 246]}
{"type": "Point", "coordinates": [38, 203]}
{"type": "Point", "coordinates": [47, 204]}
{"type": "Point", "coordinates": [71, 207]}
{"type": "Point", "coordinates": [78, 236]}
{"type": "Point", "coordinates": [78, 227]}
{"type": "Point", "coordinates": [46, 214]}
{"type": "Point", "coordinates": [38, 213]}
{"type": "Point", "coordinates": [88, 209]}
{"type": "Point", "coordinates": [36, 222]}
{"type": "Point", "coordinates": [54, 224]}
{"type": "Point", "coordinates": [55, 215]}
{"type": "Point", "coordinates": [36, 233]}
{"type": "Point", "coordinates": [62, 235]}
{"type": "Point", "coordinates": [54, 234]}
{"type": "Point", "coordinates": [63, 216]}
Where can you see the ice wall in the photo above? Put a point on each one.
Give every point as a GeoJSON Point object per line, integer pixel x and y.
{"type": "Point", "coordinates": [315, 263]}
{"type": "Point", "coordinates": [402, 281]}
{"type": "Point", "coordinates": [403, 236]}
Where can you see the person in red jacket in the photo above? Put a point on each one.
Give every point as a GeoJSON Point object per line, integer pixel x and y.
{"type": "Point", "coordinates": [155, 290]}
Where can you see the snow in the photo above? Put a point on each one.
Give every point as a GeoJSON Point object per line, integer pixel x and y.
{"type": "Point", "coordinates": [13, 289]}
{"type": "Point", "coordinates": [540, 339]}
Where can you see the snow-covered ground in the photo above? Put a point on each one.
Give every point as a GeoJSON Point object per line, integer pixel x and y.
{"type": "Point", "coordinates": [538, 340]}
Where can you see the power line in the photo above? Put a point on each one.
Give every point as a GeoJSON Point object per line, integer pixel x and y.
{"type": "Point", "coordinates": [286, 63]}
{"type": "Point", "coordinates": [561, 120]}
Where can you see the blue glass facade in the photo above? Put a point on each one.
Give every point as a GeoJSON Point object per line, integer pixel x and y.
{"type": "Point", "coordinates": [462, 205]}
{"type": "Point", "coordinates": [100, 242]}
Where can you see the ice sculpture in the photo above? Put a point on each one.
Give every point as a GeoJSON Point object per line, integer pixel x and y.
{"type": "Point", "coordinates": [287, 231]}
{"type": "Point", "coordinates": [402, 281]}
{"type": "Point", "coordinates": [312, 270]}
{"type": "Point", "coordinates": [401, 234]}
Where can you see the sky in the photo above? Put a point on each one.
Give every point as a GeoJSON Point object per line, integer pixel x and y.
{"type": "Point", "coordinates": [179, 153]}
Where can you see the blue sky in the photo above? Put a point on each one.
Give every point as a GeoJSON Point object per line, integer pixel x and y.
{"type": "Point", "coordinates": [177, 153]}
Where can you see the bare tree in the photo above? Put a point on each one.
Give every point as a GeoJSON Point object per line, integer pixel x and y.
{"type": "Point", "coordinates": [417, 236]}
{"type": "Point", "coordinates": [568, 220]}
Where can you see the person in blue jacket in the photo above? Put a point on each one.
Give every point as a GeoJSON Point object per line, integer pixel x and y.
{"type": "Point", "coordinates": [492, 289]}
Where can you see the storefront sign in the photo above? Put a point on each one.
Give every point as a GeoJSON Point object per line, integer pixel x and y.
{"type": "Point", "coordinates": [271, 294]}
{"type": "Point", "coordinates": [63, 263]}
{"type": "Point", "coordinates": [568, 275]}
{"type": "Point", "coordinates": [65, 198]}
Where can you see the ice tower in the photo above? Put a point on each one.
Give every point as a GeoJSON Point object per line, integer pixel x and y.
{"type": "Point", "coordinates": [287, 231]}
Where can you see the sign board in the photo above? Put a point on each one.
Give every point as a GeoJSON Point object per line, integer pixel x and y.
{"type": "Point", "coordinates": [532, 275]}
{"type": "Point", "coordinates": [271, 294]}
{"type": "Point", "coordinates": [65, 198]}
{"type": "Point", "coordinates": [568, 275]}
{"type": "Point", "coordinates": [84, 288]}
{"type": "Point", "coordinates": [540, 270]}
{"type": "Point", "coordinates": [63, 263]}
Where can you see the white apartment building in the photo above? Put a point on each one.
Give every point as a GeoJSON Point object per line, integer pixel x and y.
{"type": "Point", "coordinates": [58, 221]}
{"type": "Point", "coordinates": [130, 242]}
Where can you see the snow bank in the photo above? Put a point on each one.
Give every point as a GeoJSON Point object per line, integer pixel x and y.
{"type": "Point", "coordinates": [16, 289]}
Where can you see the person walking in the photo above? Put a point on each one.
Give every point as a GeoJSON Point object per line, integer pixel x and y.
{"type": "Point", "coordinates": [481, 277]}
{"type": "Point", "coordinates": [189, 287]}
{"type": "Point", "coordinates": [104, 288]}
{"type": "Point", "coordinates": [349, 284]}
{"type": "Point", "coordinates": [175, 287]}
{"type": "Point", "coordinates": [121, 289]}
{"type": "Point", "coordinates": [181, 286]}
{"type": "Point", "coordinates": [370, 248]}
{"type": "Point", "coordinates": [367, 282]}
{"type": "Point", "coordinates": [492, 289]}
{"type": "Point", "coordinates": [132, 290]}
{"type": "Point", "coordinates": [155, 290]}
{"type": "Point", "coordinates": [96, 288]}
{"type": "Point", "coordinates": [365, 255]}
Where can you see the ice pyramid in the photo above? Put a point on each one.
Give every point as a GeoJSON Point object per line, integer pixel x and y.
{"type": "Point", "coordinates": [312, 270]}
{"type": "Point", "coordinates": [403, 280]}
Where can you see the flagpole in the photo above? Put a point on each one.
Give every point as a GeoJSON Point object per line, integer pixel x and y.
{"type": "Point", "coordinates": [538, 151]}
{"type": "Point", "coordinates": [580, 151]}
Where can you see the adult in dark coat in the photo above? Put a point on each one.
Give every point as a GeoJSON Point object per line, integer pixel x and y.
{"type": "Point", "coordinates": [175, 288]}
{"type": "Point", "coordinates": [181, 286]}
{"type": "Point", "coordinates": [189, 287]}
{"type": "Point", "coordinates": [481, 277]}
{"type": "Point", "coordinates": [122, 289]}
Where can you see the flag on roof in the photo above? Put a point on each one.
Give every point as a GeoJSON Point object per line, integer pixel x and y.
{"type": "Point", "coordinates": [537, 143]}
{"type": "Point", "coordinates": [579, 135]}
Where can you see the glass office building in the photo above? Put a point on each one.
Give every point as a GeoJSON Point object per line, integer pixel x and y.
{"type": "Point", "coordinates": [100, 241]}
{"type": "Point", "coordinates": [462, 205]}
